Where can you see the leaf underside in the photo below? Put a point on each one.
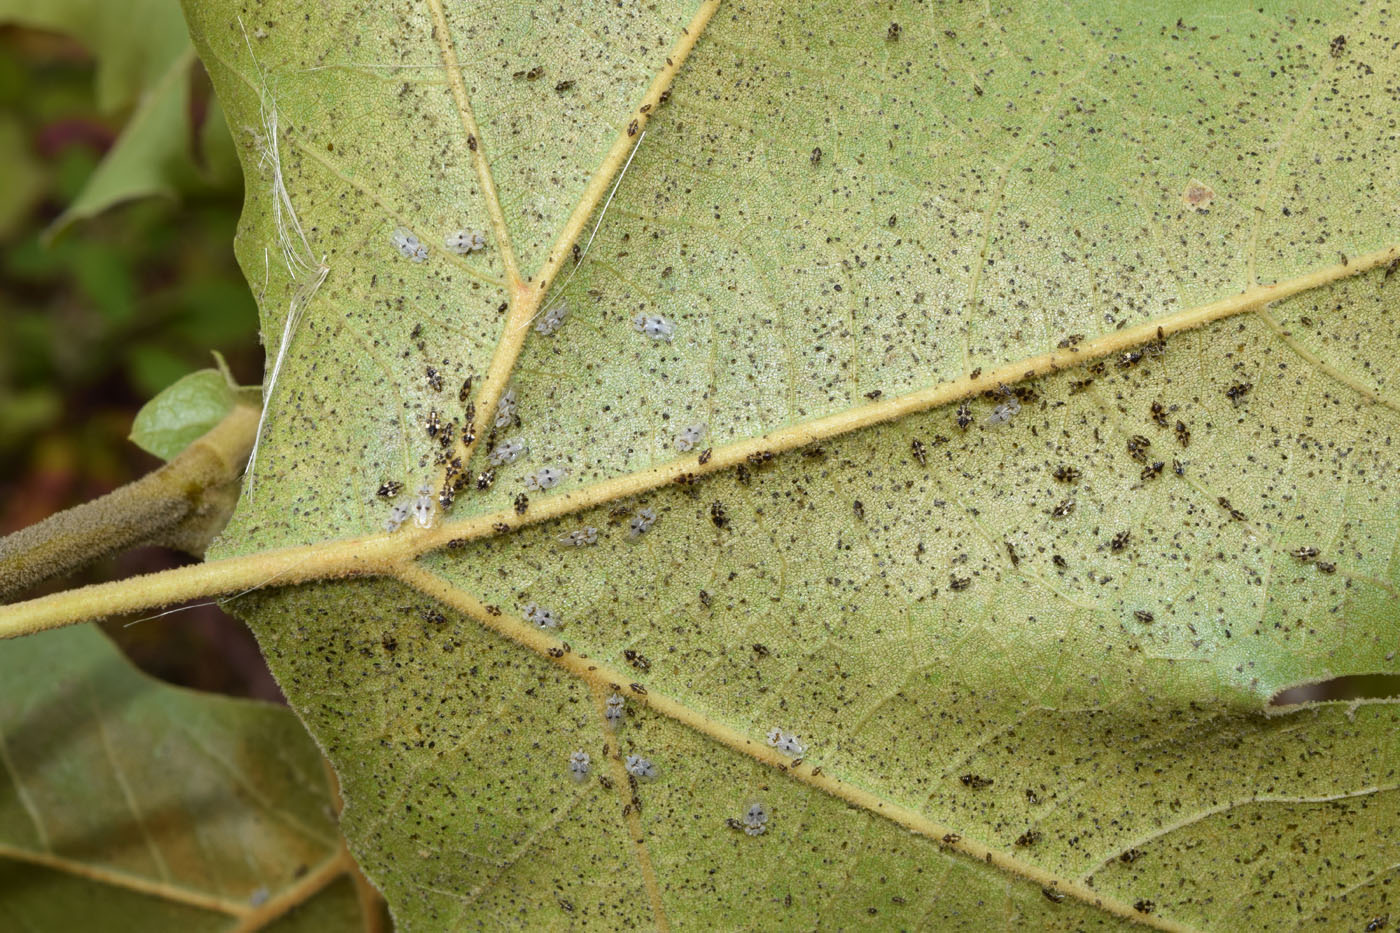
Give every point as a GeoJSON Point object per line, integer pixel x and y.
{"type": "Point", "coordinates": [838, 205]}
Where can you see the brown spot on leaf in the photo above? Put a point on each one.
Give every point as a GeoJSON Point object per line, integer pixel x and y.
{"type": "Point", "coordinates": [1198, 195]}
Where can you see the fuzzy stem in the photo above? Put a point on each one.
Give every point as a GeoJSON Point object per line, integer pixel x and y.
{"type": "Point", "coordinates": [137, 513]}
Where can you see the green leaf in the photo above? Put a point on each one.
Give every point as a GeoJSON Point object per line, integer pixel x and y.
{"type": "Point", "coordinates": [183, 411]}
{"type": "Point", "coordinates": [133, 44]}
{"type": "Point", "coordinates": [150, 154]}
{"type": "Point", "coordinates": [151, 807]}
{"type": "Point", "coordinates": [1029, 647]}
{"type": "Point", "coordinates": [144, 58]}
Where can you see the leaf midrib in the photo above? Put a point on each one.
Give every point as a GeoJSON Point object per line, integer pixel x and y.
{"type": "Point", "coordinates": [379, 553]}
{"type": "Point", "coordinates": [102, 875]}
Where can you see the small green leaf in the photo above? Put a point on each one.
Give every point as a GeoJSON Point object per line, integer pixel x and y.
{"type": "Point", "coordinates": [188, 408]}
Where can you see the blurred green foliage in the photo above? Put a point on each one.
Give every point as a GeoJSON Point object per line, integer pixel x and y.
{"type": "Point", "coordinates": [101, 314]}
{"type": "Point", "coordinates": [144, 64]}
{"type": "Point", "coordinates": [116, 307]}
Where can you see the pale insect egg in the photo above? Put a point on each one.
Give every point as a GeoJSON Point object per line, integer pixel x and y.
{"type": "Point", "coordinates": [464, 241]}
{"type": "Point", "coordinates": [614, 709]}
{"type": "Point", "coordinates": [583, 537]}
{"type": "Point", "coordinates": [397, 516]}
{"type": "Point", "coordinates": [505, 409]}
{"type": "Point", "coordinates": [578, 766]}
{"type": "Point", "coordinates": [423, 508]}
{"type": "Point", "coordinates": [540, 616]}
{"type": "Point", "coordinates": [690, 437]}
{"type": "Point", "coordinates": [641, 522]}
{"type": "Point", "coordinates": [553, 318]}
{"type": "Point", "coordinates": [640, 767]}
{"type": "Point", "coordinates": [654, 326]}
{"type": "Point", "coordinates": [755, 818]}
{"type": "Point", "coordinates": [408, 244]}
{"type": "Point", "coordinates": [544, 478]}
{"type": "Point", "coordinates": [507, 452]}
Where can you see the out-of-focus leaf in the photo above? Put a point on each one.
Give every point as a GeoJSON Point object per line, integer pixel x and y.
{"type": "Point", "coordinates": [144, 60]}
{"type": "Point", "coordinates": [185, 410]}
{"type": "Point", "coordinates": [215, 311]}
{"type": "Point", "coordinates": [134, 42]}
{"type": "Point", "coordinates": [128, 804]}
{"type": "Point", "coordinates": [219, 157]}
{"type": "Point", "coordinates": [150, 154]}
{"type": "Point", "coordinates": [151, 368]}
{"type": "Point", "coordinates": [15, 85]}
{"type": "Point", "coordinates": [73, 168]}
{"type": "Point", "coordinates": [104, 274]}
{"type": "Point", "coordinates": [25, 411]}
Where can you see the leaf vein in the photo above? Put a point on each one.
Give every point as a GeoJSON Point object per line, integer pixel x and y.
{"type": "Point", "coordinates": [125, 880]}
{"type": "Point", "coordinates": [477, 148]}
{"type": "Point", "coordinates": [601, 676]}
{"type": "Point", "coordinates": [1225, 807]}
{"type": "Point", "coordinates": [128, 794]}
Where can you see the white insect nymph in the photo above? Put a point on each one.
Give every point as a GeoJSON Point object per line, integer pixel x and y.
{"type": "Point", "coordinates": [614, 709]}
{"type": "Point", "coordinates": [423, 508]}
{"type": "Point", "coordinates": [786, 742]}
{"type": "Point", "coordinates": [407, 243]}
{"type": "Point", "coordinates": [640, 768]}
{"type": "Point", "coordinates": [465, 241]}
{"type": "Point", "coordinates": [641, 522]}
{"type": "Point", "coordinates": [583, 537]}
{"type": "Point", "coordinates": [1004, 412]}
{"type": "Point", "coordinates": [756, 818]}
{"type": "Point", "coordinates": [654, 326]}
{"type": "Point", "coordinates": [542, 617]}
{"type": "Point", "coordinates": [507, 452]}
{"type": "Point", "coordinates": [690, 437]}
{"type": "Point", "coordinates": [578, 766]}
{"type": "Point", "coordinates": [553, 318]}
{"type": "Point", "coordinates": [545, 478]}
{"type": "Point", "coordinates": [397, 516]}
{"type": "Point", "coordinates": [505, 409]}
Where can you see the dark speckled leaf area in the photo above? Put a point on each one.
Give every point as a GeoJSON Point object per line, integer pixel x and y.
{"type": "Point", "coordinates": [782, 598]}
